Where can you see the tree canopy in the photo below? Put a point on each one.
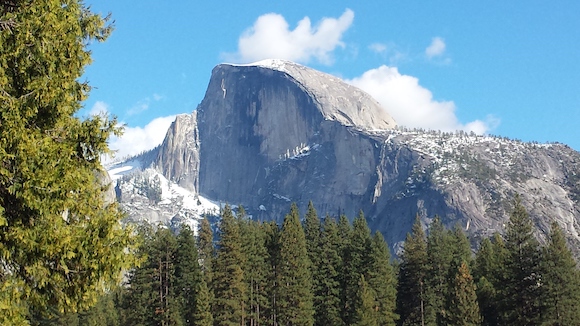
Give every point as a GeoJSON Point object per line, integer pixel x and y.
{"type": "Point", "coordinates": [61, 243]}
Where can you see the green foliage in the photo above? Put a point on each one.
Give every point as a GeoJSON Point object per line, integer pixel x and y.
{"type": "Point", "coordinates": [364, 303]}
{"type": "Point", "coordinates": [228, 276]}
{"type": "Point", "coordinates": [328, 291]}
{"type": "Point", "coordinates": [203, 298]}
{"type": "Point", "coordinates": [295, 296]}
{"type": "Point", "coordinates": [560, 296]}
{"type": "Point", "coordinates": [411, 299]}
{"type": "Point", "coordinates": [462, 307]}
{"type": "Point", "coordinates": [488, 273]}
{"type": "Point", "coordinates": [187, 274]}
{"type": "Point", "coordinates": [61, 245]}
{"type": "Point", "coordinates": [383, 281]}
{"type": "Point", "coordinates": [255, 270]}
{"type": "Point", "coordinates": [519, 294]}
{"type": "Point", "coordinates": [439, 257]}
{"type": "Point", "coordinates": [356, 263]}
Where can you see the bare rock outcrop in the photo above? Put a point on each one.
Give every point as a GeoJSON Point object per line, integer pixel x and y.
{"type": "Point", "coordinates": [275, 132]}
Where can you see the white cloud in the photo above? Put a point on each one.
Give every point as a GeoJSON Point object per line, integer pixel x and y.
{"type": "Point", "coordinates": [379, 48]}
{"type": "Point", "coordinates": [412, 105]}
{"type": "Point", "coordinates": [99, 108]}
{"type": "Point", "coordinates": [270, 37]}
{"type": "Point", "coordinates": [139, 139]}
{"type": "Point", "coordinates": [436, 48]}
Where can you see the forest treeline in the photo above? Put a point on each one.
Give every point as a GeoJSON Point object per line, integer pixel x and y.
{"type": "Point", "coordinates": [331, 272]}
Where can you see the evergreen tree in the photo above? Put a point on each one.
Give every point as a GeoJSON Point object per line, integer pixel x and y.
{"type": "Point", "coordinates": [520, 289]}
{"type": "Point", "coordinates": [203, 315]}
{"type": "Point", "coordinates": [382, 280]}
{"type": "Point", "coordinates": [440, 254]}
{"type": "Point", "coordinates": [357, 260]}
{"type": "Point", "coordinates": [460, 247]}
{"type": "Point", "coordinates": [206, 250]}
{"type": "Point", "coordinates": [344, 232]}
{"type": "Point", "coordinates": [255, 270]}
{"type": "Point", "coordinates": [328, 312]}
{"type": "Point", "coordinates": [206, 256]}
{"type": "Point", "coordinates": [272, 237]}
{"type": "Point", "coordinates": [560, 282]}
{"type": "Point", "coordinates": [412, 275]}
{"type": "Point", "coordinates": [187, 273]}
{"type": "Point", "coordinates": [462, 307]}
{"type": "Point", "coordinates": [52, 198]}
{"type": "Point", "coordinates": [365, 314]}
{"type": "Point", "coordinates": [294, 278]}
{"type": "Point", "coordinates": [104, 313]}
{"type": "Point", "coordinates": [150, 298]}
{"type": "Point", "coordinates": [228, 282]}
{"type": "Point", "coordinates": [486, 266]}
{"type": "Point", "coordinates": [162, 258]}
{"type": "Point", "coordinates": [313, 234]}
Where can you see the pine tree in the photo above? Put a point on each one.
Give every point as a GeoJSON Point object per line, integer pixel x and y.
{"type": "Point", "coordinates": [357, 260]}
{"type": "Point", "coordinates": [520, 290]}
{"type": "Point", "coordinates": [228, 282]}
{"type": "Point", "coordinates": [462, 307]}
{"type": "Point", "coordinates": [560, 282]}
{"type": "Point", "coordinates": [382, 280]}
{"type": "Point", "coordinates": [255, 270]}
{"type": "Point", "coordinates": [344, 232]}
{"type": "Point", "coordinates": [272, 241]}
{"type": "Point", "coordinates": [187, 273]}
{"type": "Point", "coordinates": [294, 278]}
{"type": "Point", "coordinates": [313, 235]}
{"type": "Point", "coordinates": [412, 275]}
{"type": "Point", "coordinates": [162, 258]}
{"type": "Point", "coordinates": [206, 255]}
{"type": "Point", "coordinates": [151, 297]}
{"type": "Point", "coordinates": [203, 297]}
{"type": "Point", "coordinates": [52, 196]}
{"type": "Point", "coordinates": [328, 312]}
{"type": "Point", "coordinates": [486, 265]}
{"type": "Point", "coordinates": [364, 312]}
{"type": "Point", "coordinates": [440, 254]}
{"type": "Point", "coordinates": [206, 250]}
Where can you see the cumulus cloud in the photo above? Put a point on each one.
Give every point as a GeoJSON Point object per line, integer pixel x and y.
{"type": "Point", "coordinates": [436, 48]}
{"type": "Point", "coordinates": [271, 37]}
{"type": "Point", "coordinates": [139, 139]}
{"type": "Point", "coordinates": [412, 105]}
{"type": "Point", "coordinates": [99, 108]}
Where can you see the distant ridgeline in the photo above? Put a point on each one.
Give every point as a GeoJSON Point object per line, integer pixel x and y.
{"type": "Point", "coordinates": [331, 272]}
{"type": "Point", "coordinates": [275, 132]}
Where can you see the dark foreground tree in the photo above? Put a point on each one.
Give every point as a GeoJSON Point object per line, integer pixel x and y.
{"type": "Point", "coordinates": [228, 282]}
{"type": "Point", "coordinates": [61, 244]}
{"type": "Point", "coordinates": [462, 308]}
{"type": "Point", "coordinates": [411, 299]}
{"type": "Point", "coordinates": [561, 282]}
{"type": "Point", "coordinates": [519, 295]}
{"type": "Point", "coordinates": [294, 278]}
{"type": "Point", "coordinates": [187, 274]}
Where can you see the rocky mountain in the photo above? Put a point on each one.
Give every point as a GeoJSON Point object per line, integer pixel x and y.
{"type": "Point", "coordinates": [276, 132]}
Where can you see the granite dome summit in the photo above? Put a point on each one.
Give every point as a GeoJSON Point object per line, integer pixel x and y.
{"type": "Point", "coordinates": [275, 132]}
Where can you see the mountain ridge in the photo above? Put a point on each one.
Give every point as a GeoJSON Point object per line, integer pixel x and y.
{"type": "Point", "coordinates": [263, 142]}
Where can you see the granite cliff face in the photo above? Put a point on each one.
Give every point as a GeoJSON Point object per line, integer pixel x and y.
{"type": "Point", "coordinates": [275, 132]}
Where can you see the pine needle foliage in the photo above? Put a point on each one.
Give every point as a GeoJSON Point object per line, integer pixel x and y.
{"type": "Point", "coordinates": [61, 243]}
{"type": "Point", "coordinates": [295, 298]}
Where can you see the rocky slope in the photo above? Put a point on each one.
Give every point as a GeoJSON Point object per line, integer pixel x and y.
{"type": "Point", "coordinates": [275, 132]}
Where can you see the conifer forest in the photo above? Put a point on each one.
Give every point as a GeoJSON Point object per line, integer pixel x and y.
{"type": "Point", "coordinates": [67, 258]}
{"type": "Point", "coordinates": [327, 271]}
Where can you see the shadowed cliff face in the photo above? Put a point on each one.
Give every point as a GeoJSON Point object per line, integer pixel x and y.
{"type": "Point", "coordinates": [270, 134]}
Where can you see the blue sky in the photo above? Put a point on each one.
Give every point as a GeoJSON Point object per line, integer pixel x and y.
{"type": "Point", "coordinates": [508, 68]}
